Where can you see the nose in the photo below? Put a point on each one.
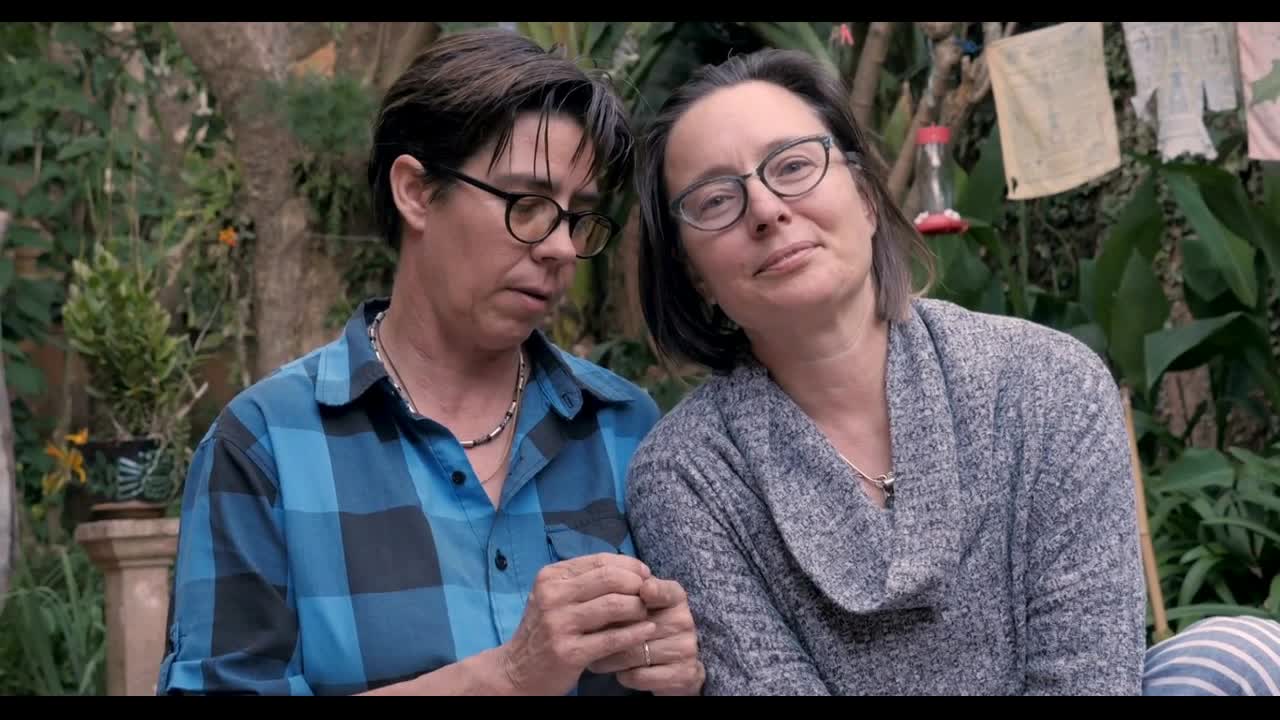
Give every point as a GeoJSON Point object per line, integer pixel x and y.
{"type": "Point", "coordinates": [556, 247]}
{"type": "Point", "coordinates": [764, 208]}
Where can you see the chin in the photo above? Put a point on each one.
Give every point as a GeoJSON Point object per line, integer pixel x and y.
{"type": "Point", "coordinates": [806, 290]}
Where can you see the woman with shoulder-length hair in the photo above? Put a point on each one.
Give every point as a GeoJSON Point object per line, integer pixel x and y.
{"type": "Point", "coordinates": [875, 492]}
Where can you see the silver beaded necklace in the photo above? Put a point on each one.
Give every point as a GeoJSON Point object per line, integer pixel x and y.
{"type": "Point", "coordinates": [375, 339]}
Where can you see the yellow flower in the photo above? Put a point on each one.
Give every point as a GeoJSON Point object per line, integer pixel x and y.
{"type": "Point", "coordinates": [52, 483]}
{"type": "Point", "coordinates": [69, 462]}
{"type": "Point", "coordinates": [79, 438]}
{"type": "Point", "coordinates": [75, 463]}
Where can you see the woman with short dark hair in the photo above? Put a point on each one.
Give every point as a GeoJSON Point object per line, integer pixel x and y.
{"type": "Point", "coordinates": [433, 502]}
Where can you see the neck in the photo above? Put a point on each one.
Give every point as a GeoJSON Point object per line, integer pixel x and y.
{"type": "Point", "coordinates": [445, 373]}
{"type": "Point", "coordinates": [835, 370]}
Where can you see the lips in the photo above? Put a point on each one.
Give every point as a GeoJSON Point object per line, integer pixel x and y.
{"type": "Point", "coordinates": [539, 294]}
{"type": "Point", "coordinates": [777, 256]}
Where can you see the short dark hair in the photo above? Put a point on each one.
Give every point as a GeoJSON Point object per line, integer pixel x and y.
{"type": "Point", "coordinates": [468, 88]}
{"type": "Point", "coordinates": [680, 320]}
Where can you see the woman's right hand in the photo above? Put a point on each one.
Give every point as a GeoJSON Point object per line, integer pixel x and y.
{"type": "Point", "coordinates": [580, 610]}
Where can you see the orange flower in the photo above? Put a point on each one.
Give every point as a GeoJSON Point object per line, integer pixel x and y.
{"type": "Point", "coordinates": [79, 438]}
{"type": "Point", "coordinates": [228, 237]}
{"type": "Point", "coordinates": [69, 462]}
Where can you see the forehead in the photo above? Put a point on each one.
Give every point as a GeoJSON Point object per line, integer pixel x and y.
{"type": "Point", "coordinates": [537, 143]}
{"type": "Point", "coordinates": [735, 126]}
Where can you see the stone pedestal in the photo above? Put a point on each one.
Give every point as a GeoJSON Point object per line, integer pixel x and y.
{"type": "Point", "coordinates": [135, 557]}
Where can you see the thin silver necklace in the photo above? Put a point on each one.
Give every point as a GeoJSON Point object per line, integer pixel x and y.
{"type": "Point", "coordinates": [375, 339]}
{"type": "Point", "coordinates": [883, 482]}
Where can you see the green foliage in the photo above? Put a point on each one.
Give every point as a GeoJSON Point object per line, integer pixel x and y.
{"type": "Point", "coordinates": [1215, 521]}
{"type": "Point", "coordinates": [52, 631]}
{"type": "Point", "coordinates": [138, 368]}
{"type": "Point", "coordinates": [330, 117]}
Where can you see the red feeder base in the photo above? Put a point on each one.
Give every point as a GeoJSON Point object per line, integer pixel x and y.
{"type": "Point", "coordinates": [939, 224]}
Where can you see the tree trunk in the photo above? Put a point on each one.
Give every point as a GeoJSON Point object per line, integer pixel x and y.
{"type": "Point", "coordinates": [1182, 393]}
{"type": "Point", "coordinates": [8, 471]}
{"type": "Point", "coordinates": [866, 79]}
{"type": "Point", "coordinates": [241, 62]}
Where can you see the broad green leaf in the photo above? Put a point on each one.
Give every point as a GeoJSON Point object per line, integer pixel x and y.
{"type": "Point", "coordinates": [1232, 256]}
{"type": "Point", "coordinates": [795, 36]}
{"type": "Point", "coordinates": [1225, 195]}
{"type": "Point", "coordinates": [1194, 579]}
{"type": "Point", "coordinates": [1087, 277]}
{"type": "Point", "coordinates": [6, 274]}
{"type": "Point", "coordinates": [1233, 522]}
{"type": "Point", "coordinates": [1138, 229]}
{"type": "Point", "coordinates": [1195, 470]}
{"type": "Point", "coordinates": [984, 195]}
{"type": "Point", "coordinates": [1263, 500]}
{"type": "Point", "coordinates": [1140, 308]}
{"type": "Point", "coordinates": [1165, 348]}
{"type": "Point", "coordinates": [80, 146]}
{"type": "Point", "coordinates": [17, 172]}
{"type": "Point", "coordinates": [1200, 271]}
{"type": "Point", "coordinates": [1091, 334]}
{"type": "Point", "coordinates": [1271, 189]}
{"type": "Point", "coordinates": [1203, 610]}
{"type": "Point", "coordinates": [24, 236]}
{"type": "Point", "coordinates": [26, 379]}
{"type": "Point", "coordinates": [1196, 553]}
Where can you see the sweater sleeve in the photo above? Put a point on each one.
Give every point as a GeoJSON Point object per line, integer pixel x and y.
{"type": "Point", "coordinates": [1085, 593]}
{"type": "Point", "coordinates": [744, 641]}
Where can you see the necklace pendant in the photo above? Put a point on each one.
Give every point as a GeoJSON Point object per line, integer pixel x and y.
{"type": "Point", "coordinates": [886, 484]}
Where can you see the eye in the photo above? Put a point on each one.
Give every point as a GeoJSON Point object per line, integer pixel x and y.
{"type": "Point", "coordinates": [793, 165]}
{"type": "Point", "coordinates": [713, 202]}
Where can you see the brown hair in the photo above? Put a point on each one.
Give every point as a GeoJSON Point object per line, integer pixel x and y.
{"type": "Point", "coordinates": [681, 322]}
{"type": "Point", "coordinates": [468, 88]}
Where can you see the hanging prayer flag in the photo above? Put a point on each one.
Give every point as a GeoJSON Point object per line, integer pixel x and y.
{"type": "Point", "coordinates": [1260, 73]}
{"type": "Point", "coordinates": [1181, 64]}
{"type": "Point", "coordinates": [1053, 106]}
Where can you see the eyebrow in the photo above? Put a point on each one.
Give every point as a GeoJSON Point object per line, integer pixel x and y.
{"type": "Point", "coordinates": [722, 170]}
{"type": "Point", "coordinates": [540, 184]}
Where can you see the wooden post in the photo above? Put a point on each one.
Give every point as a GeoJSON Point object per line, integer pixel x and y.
{"type": "Point", "coordinates": [1154, 594]}
{"type": "Point", "coordinates": [8, 469]}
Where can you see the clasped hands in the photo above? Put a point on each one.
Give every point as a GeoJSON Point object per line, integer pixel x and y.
{"type": "Point", "coordinates": [605, 613]}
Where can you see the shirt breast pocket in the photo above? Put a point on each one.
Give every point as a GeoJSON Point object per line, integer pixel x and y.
{"type": "Point", "coordinates": [597, 532]}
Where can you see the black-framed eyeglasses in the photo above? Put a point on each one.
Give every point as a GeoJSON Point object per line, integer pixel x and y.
{"type": "Point", "coordinates": [532, 217]}
{"type": "Point", "coordinates": [788, 171]}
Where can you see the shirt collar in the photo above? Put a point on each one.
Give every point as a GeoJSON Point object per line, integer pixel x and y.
{"type": "Point", "coordinates": [348, 367]}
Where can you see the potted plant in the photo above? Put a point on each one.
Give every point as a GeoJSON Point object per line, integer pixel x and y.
{"type": "Point", "coordinates": [139, 379]}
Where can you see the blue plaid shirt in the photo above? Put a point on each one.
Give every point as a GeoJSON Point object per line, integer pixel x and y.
{"type": "Point", "coordinates": [331, 543]}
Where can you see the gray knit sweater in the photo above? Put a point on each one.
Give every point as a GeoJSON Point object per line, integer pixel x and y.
{"type": "Point", "coordinates": [1009, 562]}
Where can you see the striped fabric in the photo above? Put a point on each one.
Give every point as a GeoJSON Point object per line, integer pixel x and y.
{"type": "Point", "coordinates": [1217, 656]}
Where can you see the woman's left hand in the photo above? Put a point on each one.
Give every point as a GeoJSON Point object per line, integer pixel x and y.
{"type": "Point", "coordinates": [668, 664]}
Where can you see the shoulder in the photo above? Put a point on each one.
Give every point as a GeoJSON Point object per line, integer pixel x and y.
{"type": "Point", "coordinates": [1014, 354]}
{"type": "Point", "coordinates": [631, 404]}
{"type": "Point", "coordinates": [286, 398]}
{"type": "Point", "coordinates": [694, 434]}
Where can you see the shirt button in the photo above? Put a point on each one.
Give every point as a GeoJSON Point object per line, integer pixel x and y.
{"type": "Point", "coordinates": [458, 477]}
{"type": "Point", "coordinates": [500, 561]}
